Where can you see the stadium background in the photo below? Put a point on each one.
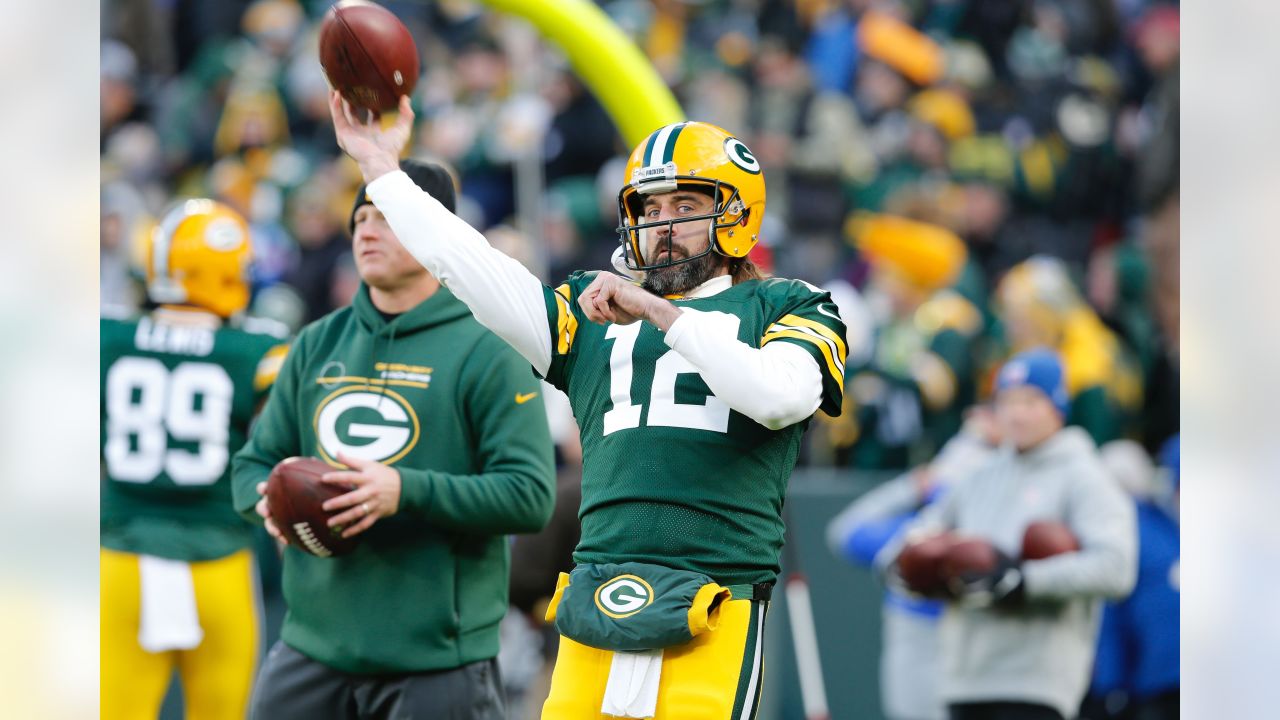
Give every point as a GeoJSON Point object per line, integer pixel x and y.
{"type": "Point", "coordinates": [1064, 141]}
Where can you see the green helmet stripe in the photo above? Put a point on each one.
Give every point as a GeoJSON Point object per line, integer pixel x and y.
{"type": "Point", "coordinates": [670, 149]}
{"type": "Point", "coordinates": [648, 148]}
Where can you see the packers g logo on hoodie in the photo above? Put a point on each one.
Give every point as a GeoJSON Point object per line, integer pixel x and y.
{"type": "Point", "coordinates": [368, 422]}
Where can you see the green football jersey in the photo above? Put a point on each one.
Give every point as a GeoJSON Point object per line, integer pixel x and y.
{"type": "Point", "coordinates": [178, 390]}
{"type": "Point", "coordinates": [671, 474]}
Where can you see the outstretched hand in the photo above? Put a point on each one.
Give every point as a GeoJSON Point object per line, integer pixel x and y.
{"type": "Point", "coordinates": [374, 148]}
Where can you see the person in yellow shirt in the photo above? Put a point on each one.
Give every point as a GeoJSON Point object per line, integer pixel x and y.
{"type": "Point", "coordinates": [1037, 304]}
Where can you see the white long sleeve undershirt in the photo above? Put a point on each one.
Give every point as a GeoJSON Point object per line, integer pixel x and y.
{"type": "Point", "coordinates": [777, 385]}
{"type": "Point", "coordinates": [502, 294]}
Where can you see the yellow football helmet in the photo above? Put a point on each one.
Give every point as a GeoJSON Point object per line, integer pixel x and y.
{"type": "Point", "coordinates": [693, 155]}
{"type": "Point", "coordinates": [1035, 299]}
{"type": "Point", "coordinates": [199, 255]}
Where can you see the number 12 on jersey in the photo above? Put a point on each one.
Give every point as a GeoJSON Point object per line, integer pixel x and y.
{"type": "Point", "coordinates": [664, 411]}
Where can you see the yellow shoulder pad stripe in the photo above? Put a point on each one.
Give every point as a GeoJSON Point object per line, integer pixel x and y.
{"type": "Point", "coordinates": [269, 367]}
{"type": "Point", "coordinates": [797, 321]}
{"type": "Point", "coordinates": [815, 337]}
{"type": "Point", "coordinates": [836, 370]}
{"type": "Point", "coordinates": [566, 323]}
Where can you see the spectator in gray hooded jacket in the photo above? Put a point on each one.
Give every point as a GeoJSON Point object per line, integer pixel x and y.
{"type": "Point", "coordinates": [1018, 643]}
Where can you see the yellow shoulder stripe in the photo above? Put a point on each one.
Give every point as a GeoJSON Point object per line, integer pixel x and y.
{"type": "Point", "coordinates": [566, 322]}
{"type": "Point", "coordinates": [834, 368]}
{"type": "Point", "coordinates": [832, 335]}
{"type": "Point", "coordinates": [269, 367]}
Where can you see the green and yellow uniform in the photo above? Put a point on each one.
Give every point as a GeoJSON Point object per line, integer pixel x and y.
{"type": "Point", "coordinates": [178, 391]}
{"type": "Point", "coordinates": [673, 476]}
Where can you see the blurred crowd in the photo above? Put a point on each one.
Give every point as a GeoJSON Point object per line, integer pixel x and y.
{"type": "Point", "coordinates": [968, 177]}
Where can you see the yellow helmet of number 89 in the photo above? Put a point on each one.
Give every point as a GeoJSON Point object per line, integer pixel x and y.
{"type": "Point", "coordinates": [199, 255]}
{"type": "Point", "coordinates": [698, 156]}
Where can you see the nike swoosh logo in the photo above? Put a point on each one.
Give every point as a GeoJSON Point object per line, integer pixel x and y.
{"type": "Point", "coordinates": [524, 398]}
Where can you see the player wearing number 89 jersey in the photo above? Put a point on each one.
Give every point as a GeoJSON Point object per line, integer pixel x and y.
{"type": "Point", "coordinates": [179, 386]}
{"type": "Point", "coordinates": [692, 380]}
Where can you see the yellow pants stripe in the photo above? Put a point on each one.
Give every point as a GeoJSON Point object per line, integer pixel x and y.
{"type": "Point", "coordinates": [216, 676]}
{"type": "Point", "coordinates": [715, 676]}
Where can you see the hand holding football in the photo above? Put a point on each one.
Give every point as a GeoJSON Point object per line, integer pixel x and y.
{"type": "Point", "coordinates": [1046, 538]}
{"type": "Point", "coordinates": [368, 55]}
{"type": "Point", "coordinates": [920, 564]}
{"type": "Point", "coordinates": [295, 495]}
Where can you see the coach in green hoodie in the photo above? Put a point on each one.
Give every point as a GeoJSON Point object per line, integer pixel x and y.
{"type": "Point", "coordinates": [441, 428]}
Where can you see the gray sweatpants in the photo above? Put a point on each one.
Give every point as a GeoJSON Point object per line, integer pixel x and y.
{"type": "Point", "coordinates": [292, 686]}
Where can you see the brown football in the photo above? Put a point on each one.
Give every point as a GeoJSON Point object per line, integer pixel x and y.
{"type": "Point", "coordinates": [920, 564]}
{"type": "Point", "coordinates": [295, 495]}
{"type": "Point", "coordinates": [1046, 538]}
{"type": "Point", "coordinates": [968, 556]}
{"type": "Point", "coordinates": [368, 55]}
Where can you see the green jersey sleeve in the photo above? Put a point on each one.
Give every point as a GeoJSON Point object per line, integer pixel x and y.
{"type": "Point", "coordinates": [805, 316]}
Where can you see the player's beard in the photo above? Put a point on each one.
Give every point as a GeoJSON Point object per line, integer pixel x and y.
{"type": "Point", "coordinates": [681, 278]}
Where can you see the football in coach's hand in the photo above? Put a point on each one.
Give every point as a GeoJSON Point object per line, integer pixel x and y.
{"type": "Point", "coordinates": [295, 495]}
{"type": "Point", "coordinates": [920, 564]}
{"type": "Point", "coordinates": [1046, 538]}
{"type": "Point", "coordinates": [368, 55]}
{"type": "Point", "coordinates": [968, 556]}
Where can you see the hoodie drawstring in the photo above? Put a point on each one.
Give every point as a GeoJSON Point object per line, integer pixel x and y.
{"type": "Point", "coordinates": [373, 358]}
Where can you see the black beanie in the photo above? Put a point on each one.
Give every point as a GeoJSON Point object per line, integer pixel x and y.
{"type": "Point", "coordinates": [432, 178]}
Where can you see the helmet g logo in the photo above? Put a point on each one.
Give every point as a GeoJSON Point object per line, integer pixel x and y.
{"type": "Point", "coordinates": [739, 155]}
{"type": "Point", "coordinates": [224, 235]}
{"type": "Point", "coordinates": [623, 596]}
{"type": "Point", "coordinates": [365, 422]}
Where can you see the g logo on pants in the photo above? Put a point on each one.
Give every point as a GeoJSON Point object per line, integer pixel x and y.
{"type": "Point", "coordinates": [623, 596]}
{"type": "Point", "coordinates": [371, 423]}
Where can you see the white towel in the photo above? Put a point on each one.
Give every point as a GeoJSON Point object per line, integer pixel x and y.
{"type": "Point", "coordinates": [632, 690]}
{"type": "Point", "coordinates": [169, 618]}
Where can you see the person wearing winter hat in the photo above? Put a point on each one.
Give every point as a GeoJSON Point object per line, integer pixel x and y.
{"type": "Point", "coordinates": [1018, 641]}
{"type": "Point", "coordinates": [906, 399]}
{"type": "Point", "coordinates": [1031, 398]}
{"type": "Point", "coordinates": [440, 428]}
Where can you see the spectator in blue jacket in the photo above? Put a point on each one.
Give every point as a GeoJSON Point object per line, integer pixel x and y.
{"type": "Point", "coordinates": [1136, 674]}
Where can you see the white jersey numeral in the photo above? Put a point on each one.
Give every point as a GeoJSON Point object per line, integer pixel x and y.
{"type": "Point", "coordinates": [147, 404]}
{"type": "Point", "coordinates": [712, 414]}
{"type": "Point", "coordinates": [624, 415]}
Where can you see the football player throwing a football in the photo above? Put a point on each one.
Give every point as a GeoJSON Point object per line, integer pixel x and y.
{"type": "Point", "coordinates": [692, 378]}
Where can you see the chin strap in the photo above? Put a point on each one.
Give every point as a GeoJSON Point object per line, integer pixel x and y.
{"type": "Point", "coordinates": [619, 262]}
